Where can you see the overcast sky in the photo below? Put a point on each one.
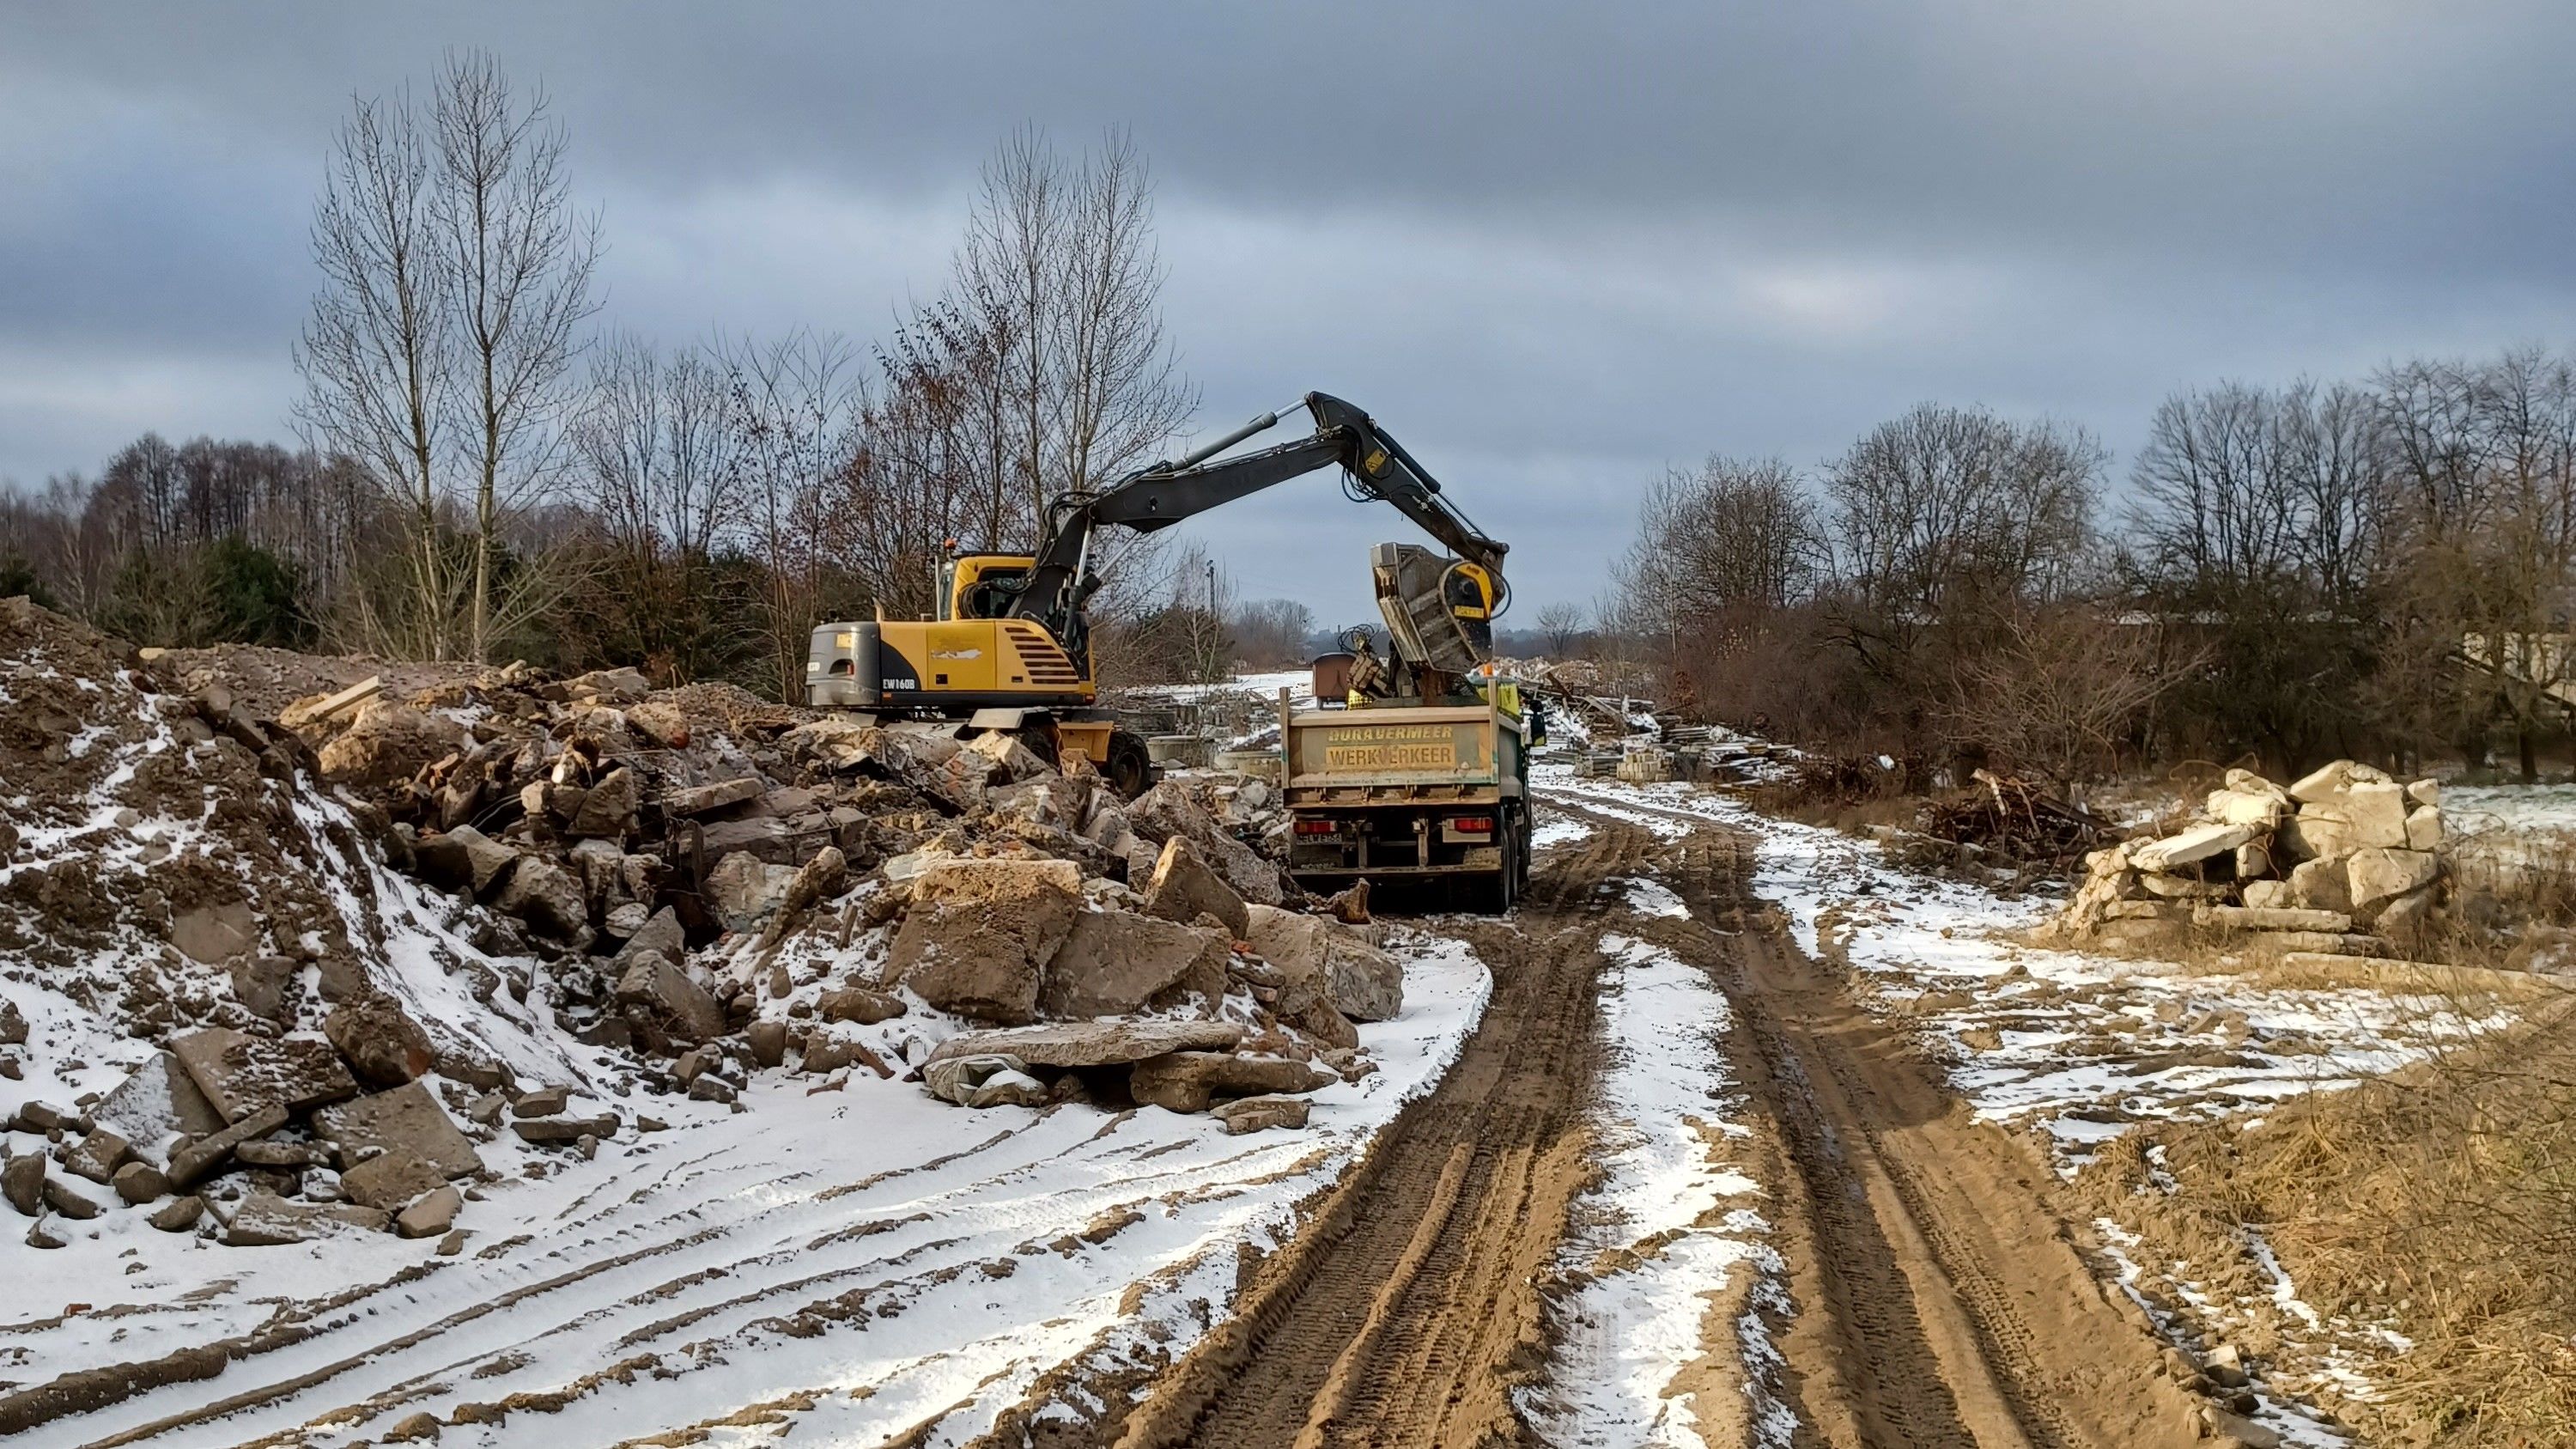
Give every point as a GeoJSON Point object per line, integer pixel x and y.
{"type": "Point", "coordinates": [1554, 248]}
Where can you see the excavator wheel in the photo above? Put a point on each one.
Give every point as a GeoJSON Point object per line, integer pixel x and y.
{"type": "Point", "coordinates": [1130, 769]}
{"type": "Point", "coordinates": [1041, 742]}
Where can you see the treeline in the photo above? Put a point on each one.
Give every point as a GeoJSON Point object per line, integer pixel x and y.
{"type": "Point", "coordinates": [487, 473]}
{"type": "Point", "coordinates": [2380, 569]}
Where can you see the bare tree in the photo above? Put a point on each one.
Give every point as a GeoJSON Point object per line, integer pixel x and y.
{"type": "Point", "coordinates": [1949, 518]}
{"type": "Point", "coordinates": [1059, 276]}
{"type": "Point", "coordinates": [519, 263]}
{"type": "Point", "coordinates": [2064, 691]}
{"type": "Point", "coordinates": [2258, 517]}
{"type": "Point", "coordinates": [657, 444]}
{"type": "Point", "coordinates": [1272, 632]}
{"type": "Point", "coordinates": [1738, 533]}
{"type": "Point", "coordinates": [795, 407]}
{"type": "Point", "coordinates": [440, 350]}
{"type": "Point", "coordinates": [1561, 625]}
{"type": "Point", "coordinates": [377, 357]}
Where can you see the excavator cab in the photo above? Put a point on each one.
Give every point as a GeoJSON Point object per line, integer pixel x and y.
{"type": "Point", "coordinates": [982, 585]}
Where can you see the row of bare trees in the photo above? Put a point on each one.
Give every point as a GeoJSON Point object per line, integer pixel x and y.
{"type": "Point", "coordinates": [485, 476]}
{"type": "Point", "coordinates": [2378, 568]}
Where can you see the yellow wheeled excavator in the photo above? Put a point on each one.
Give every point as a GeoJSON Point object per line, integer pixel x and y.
{"type": "Point", "coordinates": [1010, 650]}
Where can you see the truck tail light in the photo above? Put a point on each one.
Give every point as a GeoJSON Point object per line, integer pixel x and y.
{"type": "Point", "coordinates": [1317, 827]}
{"type": "Point", "coordinates": [1473, 824]}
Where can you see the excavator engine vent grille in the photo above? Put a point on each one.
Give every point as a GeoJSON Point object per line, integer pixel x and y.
{"type": "Point", "coordinates": [1047, 663]}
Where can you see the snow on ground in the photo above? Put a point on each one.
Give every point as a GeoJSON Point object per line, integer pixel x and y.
{"type": "Point", "coordinates": [862, 1261]}
{"type": "Point", "coordinates": [1667, 1233]}
{"type": "Point", "coordinates": [1300, 684]}
{"type": "Point", "coordinates": [2513, 809]}
{"type": "Point", "coordinates": [2079, 1045]}
{"type": "Point", "coordinates": [1556, 829]}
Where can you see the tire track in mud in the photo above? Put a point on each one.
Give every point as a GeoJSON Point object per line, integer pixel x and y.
{"type": "Point", "coordinates": [1939, 1300]}
{"type": "Point", "coordinates": [1409, 1309]}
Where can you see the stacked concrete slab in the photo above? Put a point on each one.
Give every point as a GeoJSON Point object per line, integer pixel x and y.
{"type": "Point", "coordinates": [2346, 860]}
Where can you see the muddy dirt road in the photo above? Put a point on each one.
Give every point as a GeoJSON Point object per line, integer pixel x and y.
{"type": "Point", "coordinates": [1936, 1299]}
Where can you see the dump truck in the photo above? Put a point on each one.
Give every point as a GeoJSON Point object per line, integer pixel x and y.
{"type": "Point", "coordinates": [1399, 791]}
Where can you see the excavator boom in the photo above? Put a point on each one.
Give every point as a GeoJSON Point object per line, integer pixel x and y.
{"type": "Point", "coordinates": [1166, 493]}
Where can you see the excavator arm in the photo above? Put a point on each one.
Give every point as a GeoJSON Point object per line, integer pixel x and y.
{"type": "Point", "coordinates": [1166, 493]}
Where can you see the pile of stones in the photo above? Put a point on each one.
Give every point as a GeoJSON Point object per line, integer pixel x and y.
{"type": "Point", "coordinates": [708, 885]}
{"type": "Point", "coordinates": [2345, 861]}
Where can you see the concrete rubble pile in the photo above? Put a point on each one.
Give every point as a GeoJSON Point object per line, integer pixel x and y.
{"type": "Point", "coordinates": [709, 886]}
{"type": "Point", "coordinates": [2345, 862]}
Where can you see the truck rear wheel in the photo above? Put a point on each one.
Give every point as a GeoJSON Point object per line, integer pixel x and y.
{"type": "Point", "coordinates": [1494, 894]}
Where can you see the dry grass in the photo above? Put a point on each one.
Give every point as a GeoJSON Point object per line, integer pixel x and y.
{"type": "Point", "coordinates": [2440, 1202]}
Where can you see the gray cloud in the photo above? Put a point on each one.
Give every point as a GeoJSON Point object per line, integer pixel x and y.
{"type": "Point", "coordinates": [1556, 247]}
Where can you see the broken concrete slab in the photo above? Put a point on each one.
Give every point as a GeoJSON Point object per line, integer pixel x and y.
{"type": "Point", "coordinates": [544, 1130]}
{"type": "Point", "coordinates": [1188, 1081]}
{"type": "Point", "coordinates": [1256, 1114]}
{"type": "Point", "coordinates": [1183, 888]}
{"type": "Point", "coordinates": [433, 1215]}
{"type": "Point", "coordinates": [391, 1178]}
{"type": "Point", "coordinates": [2190, 846]}
{"type": "Point", "coordinates": [546, 896]}
{"type": "Point", "coordinates": [155, 1103]}
{"type": "Point", "coordinates": [2321, 885]}
{"type": "Point", "coordinates": [695, 800]}
{"type": "Point", "coordinates": [386, 745]}
{"type": "Point", "coordinates": [22, 1183]}
{"type": "Point", "coordinates": [265, 1220]}
{"type": "Point", "coordinates": [66, 1200]}
{"type": "Point", "coordinates": [98, 1156]}
{"type": "Point", "coordinates": [2253, 918]}
{"type": "Point", "coordinates": [744, 890]}
{"type": "Point", "coordinates": [2262, 895]}
{"type": "Point", "coordinates": [1094, 1043]}
{"type": "Point", "coordinates": [864, 1005]}
{"type": "Point", "coordinates": [2424, 828]}
{"type": "Point", "coordinates": [140, 1182]}
{"type": "Point", "coordinates": [660, 934]}
{"type": "Point", "coordinates": [2372, 813]}
{"type": "Point", "coordinates": [980, 932]}
{"type": "Point", "coordinates": [2258, 803]}
{"type": "Point", "coordinates": [659, 990]}
{"type": "Point", "coordinates": [1113, 962]}
{"type": "Point", "coordinates": [2329, 782]}
{"type": "Point", "coordinates": [543, 1102]}
{"type": "Point", "coordinates": [242, 1075]}
{"type": "Point", "coordinates": [1336, 963]}
{"type": "Point", "coordinates": [409, 1119]}
{"type": "Point", "coordinates": [2382, 874]}
{"type": "Point", "coordinates": [461, 858]}
{"type": "Point", "coordinates": [608, 811]}
{"type": "Point", "coordinates": [194, 1157]}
